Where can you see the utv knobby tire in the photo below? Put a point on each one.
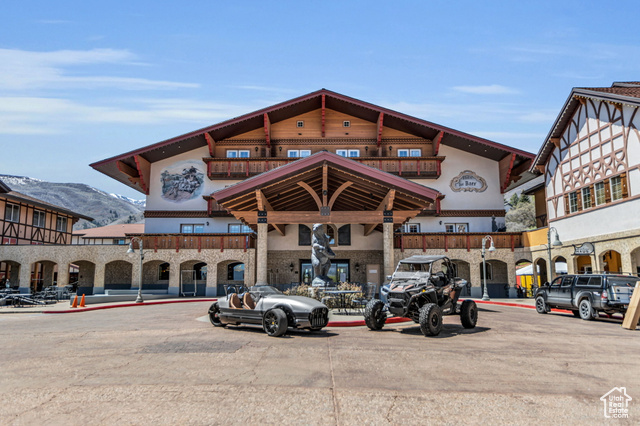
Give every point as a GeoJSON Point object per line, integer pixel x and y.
{"type": "Point", "coordinates": [274, 322]}
{"type": "Point", "coordinates": [214, 315]}
{"type": "Point", "coordinates": [374, 315]}
{"type": "Point", "coordinates": [430, 319]}
{"type": "Point", "coordinates": [541, 305]}
{"type": "Point", "coordinates": [586, 310]}
{"type": "Point", "coordinates": [469, 314]}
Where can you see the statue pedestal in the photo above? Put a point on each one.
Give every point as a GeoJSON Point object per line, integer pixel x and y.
{"type": "Point", "coordinates": [321, 281]}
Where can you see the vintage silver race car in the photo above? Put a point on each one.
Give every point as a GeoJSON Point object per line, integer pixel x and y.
{"type": "Point", "coordinates": [269, 307]}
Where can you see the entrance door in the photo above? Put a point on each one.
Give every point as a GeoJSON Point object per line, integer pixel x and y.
{"type": "Point", "coordinates": [373, 274]}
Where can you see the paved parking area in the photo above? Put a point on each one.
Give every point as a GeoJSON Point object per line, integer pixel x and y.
{"type": "Point", "coordinates": [164, 364]}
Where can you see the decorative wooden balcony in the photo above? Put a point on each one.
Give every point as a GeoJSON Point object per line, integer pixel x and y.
{"type": "Point", "coordinates": [241, 168]}
{"type": "Point", "coordinates": [457, 240]}
{"type": "Point", "coordinates": [198, 242]}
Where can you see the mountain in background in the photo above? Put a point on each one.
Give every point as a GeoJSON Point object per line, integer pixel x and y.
{"type": "Point", "coordinates": [104, 208]}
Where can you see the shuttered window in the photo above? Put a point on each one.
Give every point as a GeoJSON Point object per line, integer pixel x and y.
{"type": "Point", "coordinates": [344, 235]}
{"type": "Point", "coordinates": [586, 198]}
{"type": "Point", "coordinates": [599, 190]}
{"type": "Point", "coordinates": [573, 202]}
{"type": "Point", "coordinates": [616, 188]}
{"type": "Point", "coordinates": [304, 235]}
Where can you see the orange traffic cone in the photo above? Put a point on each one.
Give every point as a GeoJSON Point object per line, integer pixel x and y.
{"type": "Point", "coordinates": [82, 302]}
{"type": "Point", "coordinates": [75, 302]}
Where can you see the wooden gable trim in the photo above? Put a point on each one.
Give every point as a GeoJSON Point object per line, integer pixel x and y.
{"type": "Point", "coordinates": [506, 166]}
{"type": "Point", "coordinates": [211, 143]}
{"type": "Point", "coordinates": [264, 205]}
{"type": "Point", "coordinates": [555, 142]}
{"type": "Point", "coordinates": [144, 172]}
{"type": "Point", "coordinates": [312, 192]}
{"type": "Point", "coordinates": [336, 194]}
{"type": "Point", "coordinates": [323, 113]}
{"type": "Point", "coordinates": [385, 204]}
{"type": "Point", "coordinates": [267, 129]}
{"type": "Point", "coordinates": [380, 126]}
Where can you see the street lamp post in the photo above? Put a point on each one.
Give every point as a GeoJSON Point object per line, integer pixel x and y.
{"type": "Point", "coordinates": [556, 243]}
{"type": "Point", "coordinates": [131, 252]}
{"type": "Point", "coordinates": [485, 295]}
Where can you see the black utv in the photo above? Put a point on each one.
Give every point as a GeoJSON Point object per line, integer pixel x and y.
{"type": "Point", "coordinates": [423, 288]}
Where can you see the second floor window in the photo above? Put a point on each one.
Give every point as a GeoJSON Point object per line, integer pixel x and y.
{"type": "Point", "coordinates": [616, 188]}
{"type": "Point", "coordinates": [12, 213]}
{"type": "Point", "coordinates": [600, 193]}
{"type": "Point", "coordinates": [237, 153]}
{"type": "Point", "coordinates": [409, 153]}
{"type": "Point", "coordinates": [298, 153]}
{"type": "Point", "coordinates": [192, 228]}
{"type": "Point", "coordinates": [573, 202]}
{"type": "Point", "coordinates": [237, 228]}
{"type": "Point", "coordinates": [411, 227]}
{"type": "Point", "coordinates": [456, 227]}
{"type": "Point", "coordinates": [61, 224]}
{"type": "Point", "coordinates": [39, 218]}
{"type": "Point", "coordinates": [586, 198]}
{"type": "Point", "coordinates": [348, 152]}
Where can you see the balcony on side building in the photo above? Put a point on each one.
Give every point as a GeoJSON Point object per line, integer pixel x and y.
{"type": "Point", "coordinates": [456, 240]}
{"type": "Point", "coordinates": [241, 168]}
{"type": "Point", "coordinates": [177, 242]}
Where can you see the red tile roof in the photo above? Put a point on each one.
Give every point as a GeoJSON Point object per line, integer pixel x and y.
{"type": "Point", "coordinates": [111, 231]}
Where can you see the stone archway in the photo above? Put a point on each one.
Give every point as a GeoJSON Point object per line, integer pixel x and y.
{"type": "Point", "coordinates": [611, 261]}
{"type": "Point", "coordinates": [193, 278]}
{"type": "Point", "coordinates": [583, 264]}
{"type": "Point", "coordinates": [229, 272]}
{"type": "Point", "coordinates": [525, 278]}
{"type": "Point", "coordinates": [635, 261]}
{"type": "Point", "coordinates": [497, 278]}
{"type": "Point", "coordinates": [463, 270]}
{"type": "Point", "coordinates": [44, 273]}
{"type": "Point", "coordinates": [82, 276]}
{"type": "Point", "coordinates": [560, 266]}
{"type": "Point", "coordinates": [540, 272]}
{"type": "Point", "coordinates": [9, 274]}
{"type": "Point", "coordinates": [155, 275]}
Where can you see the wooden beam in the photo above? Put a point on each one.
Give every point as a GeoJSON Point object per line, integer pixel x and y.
{"type": "Point", "coordinates": [127, 170]}
{"type": "Point", "coordinates": [144, 171]}
{"type": "Point", "coordinates": [323, 113]}
{"type": "Point", "coordinates": [312, 192]}
{"type": "Point", "coordinates": [337, 192]}
{"type": "Point", "coordinates": [368, 228]}
{"type": "Point", "coordinates": [540, 168]}
{"type": "Point", "coordinates": [267, 129]}
{"type": "Point", "coordinates": [325, 183]}
{"type": "Point", "coordinates": [555, 142]}
{"type": "Point", "coordinates": [358, 216]}
{"type": "Point", "coordinates": [507, 177]}
{"type": "Point", "coordinates": [387, 202]}
{"type": "Point", "coordinates": [436, 142]}
{"type": "Point", "coordinates": [263, 204]}
{"type": "Point", "coordinates": [379, 126]}
{"type": "Point", "coordinates": [211, 143]}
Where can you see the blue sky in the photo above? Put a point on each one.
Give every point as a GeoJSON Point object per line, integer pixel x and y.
{"type": "Point", "coordinates": [83, 81]}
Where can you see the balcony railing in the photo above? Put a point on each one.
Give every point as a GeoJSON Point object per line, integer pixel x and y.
{"type": "Point", "coordinates": [456, 240]}
{"type": "Point", "coordinates": [240, 168]}
{"type": "Point", "coordinates": [198, 242]}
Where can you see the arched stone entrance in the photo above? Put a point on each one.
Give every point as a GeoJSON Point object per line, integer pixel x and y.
{"type": "Point", "coordinates": [44, 274]}
{"type": "Point", "coordinates": [560, 266]}
{"type": "Point", "coordinates": [526, 279]}
{"type": "Point", "coordinates": [9, 274]}
{"type": "Point", "coordinates": [463, 270]}
{"type": "Point", "coordinates": [583, 264]}
{"type": "Point", "coordinates": [193, 278]}
{"type": "Point", "coordinates": [229, 272]}
{"type": "Point", "coordinates": [497, 278]}
{"type": "Point", "coordinates": [82, 276]}
{"type": "Point", "coordinates": [155, 275]}
{"type": "Point", "coordinates": [635, 261]}
{"type": "Point", "coordinates": [611, 261]}
{"type": "Point", "coordinates": [540, 272]}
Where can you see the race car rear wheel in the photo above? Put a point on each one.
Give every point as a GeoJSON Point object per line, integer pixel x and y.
{"type": "Point", "coordinates": [430, 319]}
{"type": "Point", "coordinates": [274, 322]}
{"type": "Point", "coordinates": [374, 315]}
{"type": "Point", "coordinates": [214, 315]}
{"type": "Point", "coordinates": [468, 314]}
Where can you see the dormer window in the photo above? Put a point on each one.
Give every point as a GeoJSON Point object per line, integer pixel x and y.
{"type": "Point", "coordinates": [299, 124]}
{"type": "Point", "coordinates": [346, 123]}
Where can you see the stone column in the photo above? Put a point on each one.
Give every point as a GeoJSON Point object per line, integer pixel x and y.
{"type": "Point", "coordinates": [63, 274]}
{"type": "Point", "coordinates": [625, 257]}
{"type": "Point", "coordinates": [24, 277]}
{"type": "Point", "coordinates": [98, 278]}
{"type": "Point", "coordinates": [212, 281]}
{"type": "Point", "coordinates": [511, 276]}
{"type": "Point", "coordinates": [135, 273]}
{"type": "Point", "coordinates": [249, 270]}
{"type": "Point", "coordinates": [476, 278]}
{"type": "Point", "coordinates": [261, 254]}
{"type": "Point", "coordinates": [387, 250]}
{"type": "Point", "coordinates": [174, 278]}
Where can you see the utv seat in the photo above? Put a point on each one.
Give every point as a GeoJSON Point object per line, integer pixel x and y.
{"type": "Point", "coordinates": [248, 302]}
{"type": "Point", "coordinates": [234, 301]}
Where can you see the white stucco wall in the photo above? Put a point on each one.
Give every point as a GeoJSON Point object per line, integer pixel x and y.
{"type": "Point", "coordinates": [476, 224]}
{"type": "Point", "coordinates": [456, 162]}
{"type": "Point", "coordinates": [171, 225]}
{"type": "Point", "coordinates": [616, 218]}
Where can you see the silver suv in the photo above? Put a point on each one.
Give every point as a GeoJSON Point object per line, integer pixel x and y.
{"type": "Point", "coordinates": [586, 295]}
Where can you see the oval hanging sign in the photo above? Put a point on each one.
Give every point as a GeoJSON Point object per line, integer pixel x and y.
{"type": "Point", "coordinates": [468, 181]}
{"type": "Point", "coordinates": [583, 249]}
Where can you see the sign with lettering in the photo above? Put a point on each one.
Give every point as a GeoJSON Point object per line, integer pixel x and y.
{"type": "Point", "coordinates": [468, 181]}
{"type": "Point", "coordinates": [583, 249]}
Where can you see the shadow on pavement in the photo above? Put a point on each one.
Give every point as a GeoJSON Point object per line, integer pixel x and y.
{"type": "Point", "coordinates": [291, 333]}
{"type": "Point", "coordinates": [448, 330]}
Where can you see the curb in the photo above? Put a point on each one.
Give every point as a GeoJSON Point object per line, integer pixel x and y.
{"type": "Point", "coordinates": [126, 305]}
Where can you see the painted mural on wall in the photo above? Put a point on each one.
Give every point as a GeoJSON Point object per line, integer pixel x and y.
{"type": "Point", "coordinates": [468, 181]}
{"type": "Point", "coordinates": [182, 181]}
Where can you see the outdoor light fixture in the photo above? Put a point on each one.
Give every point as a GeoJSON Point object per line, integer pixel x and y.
{"type": "Point", "coordinates": [131, 253]}
{"type": "Point", "coordinates": [556, 243]}
{"type": "Point", "coordinates": [390, 148]}
{"type": "Point", "coordinates": [291, 266]}
{"type": "Point", "coordinates": [366, 149]}
{"type": "Point", "coordinates": [256, 148]}
{"type": "Point", "coordinates": [279, 148]}
{"type": "Point", "coordinates": [357, 266]}
{"type": "Point", "coordinates": [485, 294]}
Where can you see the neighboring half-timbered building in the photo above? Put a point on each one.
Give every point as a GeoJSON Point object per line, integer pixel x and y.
{"type": "Point", "coordinates": [590, 161]}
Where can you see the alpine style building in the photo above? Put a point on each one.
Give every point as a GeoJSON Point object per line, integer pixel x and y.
{"type": "Point", "coordinates": [386, 185]}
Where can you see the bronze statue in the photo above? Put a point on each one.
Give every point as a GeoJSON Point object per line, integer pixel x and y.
{"type": "Point", "coordinates": [321, 254]}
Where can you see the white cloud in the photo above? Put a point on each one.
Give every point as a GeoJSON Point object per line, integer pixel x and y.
{"type": "Point", "coordinates": [493, 89]}
{"type": "Point", "coordinates": [27, 70]}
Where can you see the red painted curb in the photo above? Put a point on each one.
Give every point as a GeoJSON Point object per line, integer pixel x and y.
{"type": "Point", "coordinates": [126, 305]}
{"type": "Point", "coordinates": [519, 305]}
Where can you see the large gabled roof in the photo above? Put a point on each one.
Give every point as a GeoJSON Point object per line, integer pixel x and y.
{"type": "Point", "coordinates": [618, 93]}
{"type": "Point", "coordinates": [294, 107]}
